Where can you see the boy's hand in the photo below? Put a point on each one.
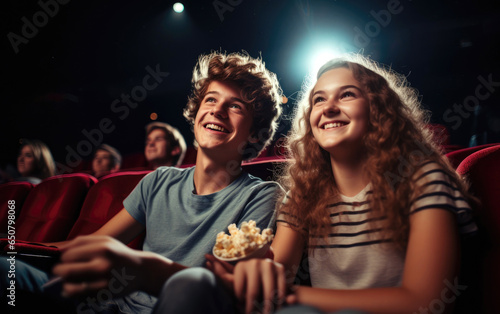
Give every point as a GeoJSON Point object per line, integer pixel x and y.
{"type": "Point", "coordinates": [90, 264]}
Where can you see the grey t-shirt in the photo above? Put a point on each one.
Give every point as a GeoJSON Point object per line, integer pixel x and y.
{"type": "Point", "coordinates": [182, 226]}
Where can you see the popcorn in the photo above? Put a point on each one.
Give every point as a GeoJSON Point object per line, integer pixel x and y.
{"type": "Point", "coordinates": [241, 242]}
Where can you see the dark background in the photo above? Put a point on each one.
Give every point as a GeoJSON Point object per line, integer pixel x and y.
{"type": "Point", "coordinates": [63, 80]}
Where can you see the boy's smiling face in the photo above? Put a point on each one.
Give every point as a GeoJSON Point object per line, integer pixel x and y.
{"type": "Point", "coordinates": [223, 121]}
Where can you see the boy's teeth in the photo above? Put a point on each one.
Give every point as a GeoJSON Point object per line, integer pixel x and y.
{"type": "Point", "coordinates": [215, 127]}
{"type": "Point", "coordinates": [333, 125]}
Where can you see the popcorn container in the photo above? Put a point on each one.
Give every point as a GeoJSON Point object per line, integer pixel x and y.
{"type": "Point", "coordinates": [245, 243]}
{"type": "Point", "coordinates": [262, 252]}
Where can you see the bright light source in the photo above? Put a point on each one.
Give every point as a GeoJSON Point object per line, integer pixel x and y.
{"type": "Point", "coordinates": [317, 48]}
{"type": "Point", "coordinates": [153, 116]}
{"type": "Point", "coordinates": [320, 57]}
{"type": "Point", "coordinates": [178, 7]}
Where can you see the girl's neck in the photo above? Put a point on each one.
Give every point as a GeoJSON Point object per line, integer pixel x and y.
{"type": "Point", "coordinates": [350, 176]}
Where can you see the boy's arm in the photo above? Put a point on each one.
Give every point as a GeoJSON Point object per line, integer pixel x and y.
{"type": "Point", "coordinates": [122, 227]}
{"type": "Point", "coordinates": [103, 261]}
{"type": "Point", "coordinates": [92, 263]}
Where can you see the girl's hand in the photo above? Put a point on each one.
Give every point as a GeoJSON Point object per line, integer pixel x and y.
{"type": "Point", "coordinates": [260, 284]}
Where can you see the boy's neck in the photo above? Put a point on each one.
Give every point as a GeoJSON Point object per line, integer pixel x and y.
{"type": "Point", "coordinates": [211, 175]}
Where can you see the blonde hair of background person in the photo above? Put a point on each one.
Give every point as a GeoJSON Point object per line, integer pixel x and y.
{"type": "Point", "coordinates": [35, 160]}
{"type": "Point", "coordinates": [360, 148]}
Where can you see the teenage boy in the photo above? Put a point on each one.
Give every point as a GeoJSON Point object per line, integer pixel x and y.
{"type": "Point", "coordinates": [233, 109]}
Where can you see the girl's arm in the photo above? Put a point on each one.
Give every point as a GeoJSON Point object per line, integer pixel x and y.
{"type": "Point", "coordinates": [429, 278]}
{"type": "Point", "coordinates": [288, 246]}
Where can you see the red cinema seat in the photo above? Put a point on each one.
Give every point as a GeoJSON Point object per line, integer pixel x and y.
{"type": "Point", "coordinates": [104, 200]}
{"type": "Point", "coordinates": [12, 194]}
{"type": "Point", "coordinates": [457, 156]}
{"type": "Point", "coordinates": [190, 157]}
{"type": "Point", "coordinates": [134, 161]}
{"type": "Point", "coordinates": [482, 170]}
{"type": "Point", "coordinates": [52, 206]}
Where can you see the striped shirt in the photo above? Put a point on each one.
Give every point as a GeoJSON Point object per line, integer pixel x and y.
{"type": "Point", "coordinates": [354, 255]}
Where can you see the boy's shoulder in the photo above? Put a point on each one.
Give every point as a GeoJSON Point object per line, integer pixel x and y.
{"type": "Point", "coordinates": [165, 173]}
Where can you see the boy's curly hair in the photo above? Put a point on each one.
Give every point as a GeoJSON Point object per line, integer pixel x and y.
{"type": "Point", "coordinates": [260, 90]}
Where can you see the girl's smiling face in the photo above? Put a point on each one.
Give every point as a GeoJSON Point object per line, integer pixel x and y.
{"type": "Point", "coordinates": [340, 111]}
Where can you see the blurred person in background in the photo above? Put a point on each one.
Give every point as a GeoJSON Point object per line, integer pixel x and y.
{"type": "Point", "coordinates": [165, 145]}
{"type": "Point", "coordinates": [107, 159]}
{"type": "Point", "coordinates": [35, 161]}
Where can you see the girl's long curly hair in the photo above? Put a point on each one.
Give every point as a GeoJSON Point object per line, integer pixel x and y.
{"type": "Point", "coordinates": [397, 143]}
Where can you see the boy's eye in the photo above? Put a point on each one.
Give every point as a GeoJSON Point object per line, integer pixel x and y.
{"type": "Point", "coordinates": [235, 106]}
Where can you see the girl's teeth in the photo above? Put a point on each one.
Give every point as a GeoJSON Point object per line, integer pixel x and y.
{"type": "Point", "coordinates": [333, 125]}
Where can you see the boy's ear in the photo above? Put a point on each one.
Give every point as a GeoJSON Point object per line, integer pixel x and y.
{"type": "Point", "coordinates": [176, 151]}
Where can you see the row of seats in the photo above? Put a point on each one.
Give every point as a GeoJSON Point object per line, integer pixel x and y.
{"type": "Point", "coordinates": [63, 207]}
{"type": "Point", "coordinates": [482, 171]}
{"type": "Point", "coordinates": [457, 156]}
{"type": "Point", "coordinates": [53, 206]}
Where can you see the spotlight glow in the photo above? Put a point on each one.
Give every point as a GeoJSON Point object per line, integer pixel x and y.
{"type": "Point", "coordinates": [320, 57]}
{"type": "Point", "coordinates": [178, 7]}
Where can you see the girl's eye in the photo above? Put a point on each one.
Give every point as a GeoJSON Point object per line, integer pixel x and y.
{"type": "Point", "coordinates": [318, 99]}
{"type": "Point", "coordinates": [347, 94]}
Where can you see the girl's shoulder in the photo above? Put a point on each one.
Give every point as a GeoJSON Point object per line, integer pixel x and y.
{"type": "Point", "coordinates": [436, 189]}
{"type": "Point", "coordinates": [431, 171]}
